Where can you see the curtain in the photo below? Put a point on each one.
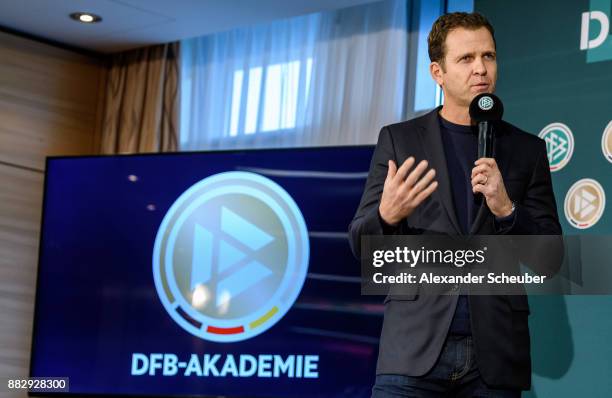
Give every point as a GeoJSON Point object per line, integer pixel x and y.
{"type": "Point", "coordinates": [141, 111]}
{"type": "Point", "coordinates": [330, 78]}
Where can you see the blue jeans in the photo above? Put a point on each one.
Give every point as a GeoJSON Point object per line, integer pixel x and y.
{"type": "Point", "coordinates": [455, 374]}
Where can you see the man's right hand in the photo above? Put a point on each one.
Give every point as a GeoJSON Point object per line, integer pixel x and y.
{"type": "Point", "coordinates": [403, 192]}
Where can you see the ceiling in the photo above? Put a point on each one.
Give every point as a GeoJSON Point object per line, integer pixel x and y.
{"type": "Point", "coordinates": [129, 24]}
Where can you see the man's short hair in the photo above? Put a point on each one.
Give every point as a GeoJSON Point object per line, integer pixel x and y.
{"type": "Point", "coordinates": [446, 23]}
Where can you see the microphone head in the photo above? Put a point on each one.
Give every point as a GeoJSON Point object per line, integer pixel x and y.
{"type": "Point", "coordinates": [486, 107]}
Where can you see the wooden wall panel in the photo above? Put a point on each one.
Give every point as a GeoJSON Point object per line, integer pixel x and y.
{"type": "Point", "coordinates": [49, 105]}
{"type": "Point", "coordinates": [20, 210]}
{"type": "Point", "coordinates": [48, 102]}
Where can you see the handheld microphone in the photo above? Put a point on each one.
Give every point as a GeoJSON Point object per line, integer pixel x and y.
{"type": "Point", "coordinates": [486, 109]}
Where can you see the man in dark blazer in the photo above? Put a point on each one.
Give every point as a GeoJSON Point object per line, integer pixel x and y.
{"type": "Point", "coordinates": [455, 345]}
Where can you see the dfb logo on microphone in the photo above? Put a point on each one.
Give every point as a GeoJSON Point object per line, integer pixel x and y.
{"type": "Point", "coordinates": [230, 256]}
{"type": "Point", "coordinates": [595, 31]}
{"type": "Point", "coordinates": [485, 103]}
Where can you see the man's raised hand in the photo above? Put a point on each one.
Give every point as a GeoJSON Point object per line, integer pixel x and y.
{"type": "Point", "coordinates": [403, 191]}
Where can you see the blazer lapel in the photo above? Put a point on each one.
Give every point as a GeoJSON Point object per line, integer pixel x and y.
{"type": "Point", "coordinates": [483, 211]}
{"type": "Point", "coordinates": [431, 137]}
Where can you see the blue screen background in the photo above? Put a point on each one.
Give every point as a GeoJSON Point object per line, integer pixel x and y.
{"type": "Point", "coordinates": [96, 302]}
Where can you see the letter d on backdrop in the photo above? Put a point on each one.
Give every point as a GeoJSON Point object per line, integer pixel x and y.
{"type": "Point", "coordinates": [595, 31]}
{"type": "Point", "coordinates": [604, 23]}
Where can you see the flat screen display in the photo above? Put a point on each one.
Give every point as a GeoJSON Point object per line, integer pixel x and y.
{"type": "Point", "coordinates": [205, 274]}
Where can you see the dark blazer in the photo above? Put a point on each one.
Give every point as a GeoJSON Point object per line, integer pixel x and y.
{"type": "Point", "coordinates": [415, 326]}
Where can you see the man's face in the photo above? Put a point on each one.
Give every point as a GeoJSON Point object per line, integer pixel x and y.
{"type": "Point", "coordinates": [470, 66]}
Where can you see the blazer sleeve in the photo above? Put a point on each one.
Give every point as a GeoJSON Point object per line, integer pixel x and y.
{"type": "Point", "coordinates": [367, 220]}
{"type": "Point", "coordinates": [536, 214]}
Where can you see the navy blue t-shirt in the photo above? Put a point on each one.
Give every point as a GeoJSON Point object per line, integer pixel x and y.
{"type": "Point", "coordinates": [461, 151]}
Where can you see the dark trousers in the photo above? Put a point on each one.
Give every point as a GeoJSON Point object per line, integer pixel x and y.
{"type": "Point", "coordinates": [455, 374]}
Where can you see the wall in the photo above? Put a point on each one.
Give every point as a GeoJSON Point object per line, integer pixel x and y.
{"type": "Point", "coordinates": [545, 78]}
{"type": "Point", "coordinates": [49, 105]}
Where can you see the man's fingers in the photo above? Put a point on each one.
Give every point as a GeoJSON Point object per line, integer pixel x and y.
{"type": "Point", "coordinates": [482, 169]}
{"type": "Point", "coordinates": [479, 179]}
{"type": "Point", "coordinates": [480, 188]}
{"type": "Point", "coordinates": [424, 194]}
{"type": "Point", "coordinates": [488, 161]}
{"type": "Point", "coordinates": [422, 183]}
{"type": "Point", "coordinates": [404, 168]}
{"type": "Point", "coordinates": [416, 173]}
{"type": "Point", "coordinates": [392, 169]}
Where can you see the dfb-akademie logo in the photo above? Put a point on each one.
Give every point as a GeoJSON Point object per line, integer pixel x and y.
{"type": "Point", "coordinates": [230, 256]}
{"type": "Point", "coordinates": [606, 142]}
{"type": "Point", "coordinates": [584, 203]}
{"type": "Point", "coordinates": [559, 144]}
